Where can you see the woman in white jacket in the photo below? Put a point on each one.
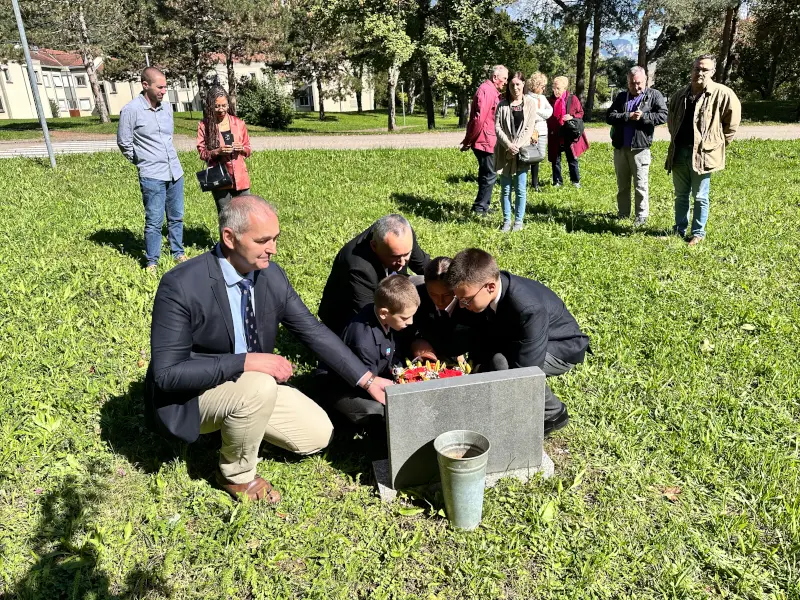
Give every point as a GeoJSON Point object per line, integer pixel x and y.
{"type": "Point", "coordinates": [534, 87]}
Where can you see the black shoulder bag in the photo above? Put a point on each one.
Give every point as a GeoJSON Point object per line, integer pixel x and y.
{"type": "Point", "coordinates": [573, 129]}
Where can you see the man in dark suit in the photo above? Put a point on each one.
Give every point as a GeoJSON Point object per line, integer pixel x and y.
{"type": "Point", "coordinates": [529, 325]}
{"type": "Point", "coordinates": [442, 329]}
{"type": "Point", "coordinates": [388, 246]}
{"type": "Point", "coordinates": [213, 331]}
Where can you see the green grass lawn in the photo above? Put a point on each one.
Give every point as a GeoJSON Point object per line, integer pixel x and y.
{"type": "Point", "coordinates": [678, 476]}
{"type": "Point", "coordinates": [186, 124]}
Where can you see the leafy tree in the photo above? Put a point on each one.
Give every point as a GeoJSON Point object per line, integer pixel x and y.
{"type": "Point", "coordinates": [88, 28]}
{"type": "Point", "coordinates": [265, 102]}
{"type": "Point", "coordinates": [771, 43]}
{"type": "Point", "coordinates": [316, 46]}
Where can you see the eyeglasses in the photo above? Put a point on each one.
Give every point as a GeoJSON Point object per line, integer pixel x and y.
{"type": "Point", "coordinates": [465, 302]}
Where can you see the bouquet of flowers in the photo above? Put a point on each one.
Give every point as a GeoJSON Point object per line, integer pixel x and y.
{"type": "Point", "coordinates": [419, 371]}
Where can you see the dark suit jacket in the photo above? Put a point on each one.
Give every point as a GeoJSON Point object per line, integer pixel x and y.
{"type": "Point", "coordinates": [364, 335]}
{"type": "Point", "coordinates": [532, 320]}
{"type": "Point", "coordinates": [192, 345]}
{"type": "Point", "coordinates": [355, 276]}
{"type": "Point", "coordinates": [450, 335]}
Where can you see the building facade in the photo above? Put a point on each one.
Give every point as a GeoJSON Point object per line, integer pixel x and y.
{"type": "Point", "coordinates": [65, 90]}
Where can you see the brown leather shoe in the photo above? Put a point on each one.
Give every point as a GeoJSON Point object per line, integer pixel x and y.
{"type": "Point", "coordinates": [696, 239]}
{"type": "Point", "coordinates": [258, 489]}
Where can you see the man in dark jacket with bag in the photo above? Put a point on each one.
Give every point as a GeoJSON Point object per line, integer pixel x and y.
{"type": "Point", "coordinates": [633, 117]}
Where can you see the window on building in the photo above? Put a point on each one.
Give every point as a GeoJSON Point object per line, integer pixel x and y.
{"type": "Point", "coordinates": [7, 75]}
{"type": "Point", "coordinates": [187, 107]}
{"type": "Point", "coordinates": [57, 80]}
{"type": "Point", "coordinates": [112, 85]}
{"type": "Point", "coordinates": [86, 104]}
{"type": "Point", "coordinates": [38, 77]}
{"type": "Point", "coordinates": [62, 104]}
{"type": "Point", "coordinates": [46, 78]}
{"type": "Point", "coordinates": [183, 82]}
{"type": "Point", "coordinates": [81, 80]}
{"type": "Point", "coordinates": [2, 108]}
{"type": "Point", "coordinates": [252, 75]}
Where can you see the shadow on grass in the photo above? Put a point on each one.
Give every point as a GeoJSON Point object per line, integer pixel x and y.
{"type": "Point", "coordinates": [66, 546]}
{"type": "Point", "coordinates": [126, 242]}
{"type": "Point", "coordinates": [468, 178]}
{"type": "Point", "coordinates": [433, 210]}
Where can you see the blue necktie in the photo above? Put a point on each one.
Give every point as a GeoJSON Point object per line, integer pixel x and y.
{"type": "Point", "coordinates": [249, 317]}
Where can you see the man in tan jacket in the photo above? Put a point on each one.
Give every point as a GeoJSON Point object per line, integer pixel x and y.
{"type": "Point", "coordinates": [703, 118]}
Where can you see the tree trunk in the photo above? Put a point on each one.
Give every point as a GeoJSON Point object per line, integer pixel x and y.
{"type": "Point", "coordinates": [593, 65]}
{"type": "Point", "coordinates": [644, 30]}
{"type": "Point", "coordinates": [427, 93]}
{"type": "Point", "coordinates": [359, 73]}
{"type": "Point", "coordinates": [444, 105]}
{"type": "Point", "coordinates": [198, 71]}
{"type": "Point", "coordinates": [412, 96]}
{"type": "Point", "coordinates": [394, 74]}
{"type": "Point", "coordinates": [724, 45]}
{"type": "Point", "coordinates": [463, 108]}
{"type": "Point", "coordinates": [88, 63]}
{"type": "Point", "coordinates": [580, 59]}
{"type": "Point", "coordinates": [730, 58]}
{"type": "Point", "coordinates": [321, 100]}
{"type": "Point", "coordinates": [231, 77]}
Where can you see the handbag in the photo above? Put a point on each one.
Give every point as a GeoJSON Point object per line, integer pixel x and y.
{"type": "Point", "coordinates": [532, 153]}
{"type": "Point", "coordinates": [573, 129]}
{"type": "Point", "coordinates": [214, 178]}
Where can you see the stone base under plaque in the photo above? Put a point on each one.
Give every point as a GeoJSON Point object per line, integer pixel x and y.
{"type": "Point", "coordinates": [388, 494]}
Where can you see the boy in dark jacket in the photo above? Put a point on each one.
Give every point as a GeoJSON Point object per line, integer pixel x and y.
{"type": "Point", "coordinates": [528, 324]}
{"type": "Point", "coordinates": [370, 335]}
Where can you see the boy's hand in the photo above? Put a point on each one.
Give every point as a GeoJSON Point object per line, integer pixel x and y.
{"type": "Point", "coordinates": [378, 389]}
{"type": "Point", "coordinates": [422, 349]}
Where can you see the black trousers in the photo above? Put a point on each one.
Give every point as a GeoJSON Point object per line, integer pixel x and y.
{"type": "Point", "coordinates": [487, 177]}
{"type": "Point", "coordinates": [572, 162]}
{"type": "Point", "coordinates": [353, 403]}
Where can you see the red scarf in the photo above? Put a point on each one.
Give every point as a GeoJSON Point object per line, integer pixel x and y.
{"type": "Point", "coordinates": [560, 107]}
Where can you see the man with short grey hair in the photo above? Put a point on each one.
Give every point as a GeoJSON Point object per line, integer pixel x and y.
{"type": "Point", "coordinates": [702, 121]}
{"type": "Point", "coordinates": [480, 136]}
{"type": "Point", "coordinates": [144, 137]}
{"type": "Point", "coordinates": [213, 366]}
{"type": "Point", "coordinates": [388, 246]}
{"type": "Point", "coordinates": [633, 117]}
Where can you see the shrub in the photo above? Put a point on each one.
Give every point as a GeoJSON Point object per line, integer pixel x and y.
{"type": "Point", "coordinates": [264, 102]}
{"type": "Point", "coordinates": [54, 109]}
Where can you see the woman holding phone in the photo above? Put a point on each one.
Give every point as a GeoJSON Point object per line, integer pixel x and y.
{"type": "Point", "coordinates": [222, 138]}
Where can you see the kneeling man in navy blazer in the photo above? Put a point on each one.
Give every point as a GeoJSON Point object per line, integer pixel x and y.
{"type": "Point", "coordinates": [215, 319]}
{"type": "Point", "coordinates": [527, 324]}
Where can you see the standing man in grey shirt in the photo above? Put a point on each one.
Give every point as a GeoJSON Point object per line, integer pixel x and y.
{"type": "Point", "coordinates": [145, 139]}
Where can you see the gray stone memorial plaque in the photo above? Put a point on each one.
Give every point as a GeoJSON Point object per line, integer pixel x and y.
{"type": "Point", "coordinates": [505, 406]}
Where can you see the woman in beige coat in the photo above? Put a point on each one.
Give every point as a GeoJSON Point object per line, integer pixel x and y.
{"type": "Point", "coordinates": [514, 123]}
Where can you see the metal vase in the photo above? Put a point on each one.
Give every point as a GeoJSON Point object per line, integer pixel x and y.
{"type": "Point", "coordinates": [462, 457]}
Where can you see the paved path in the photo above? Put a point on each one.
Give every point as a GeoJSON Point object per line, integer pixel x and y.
{"type": "Point", "coordinates": [450, 139]}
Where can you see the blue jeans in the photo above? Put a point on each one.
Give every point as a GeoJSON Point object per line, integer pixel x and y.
{"type": "Point", "coordinates": [687, 182]}
{"type": "Point", "coordinates": [519, 182]}
{"type": "Point", "coordinates": [158, 197]}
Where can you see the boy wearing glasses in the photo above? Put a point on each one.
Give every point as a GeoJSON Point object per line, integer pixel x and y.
{"type": "Point", "coordinates": [528, 325]}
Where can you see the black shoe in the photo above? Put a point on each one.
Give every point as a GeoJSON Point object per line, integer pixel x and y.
{"type": "Point", "coordinates": [491, 211]}
{"type": "Point", "coordinates": [559, 421]}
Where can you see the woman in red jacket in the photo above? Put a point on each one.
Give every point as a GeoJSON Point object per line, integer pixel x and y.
{"type": "Point", "coordinates": [222, 137]}
{"type": "Point", "coordinates": [566, 106]}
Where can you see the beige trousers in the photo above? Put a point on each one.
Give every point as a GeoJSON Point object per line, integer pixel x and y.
{"type": "Point", "coordinates": [255, 408]}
